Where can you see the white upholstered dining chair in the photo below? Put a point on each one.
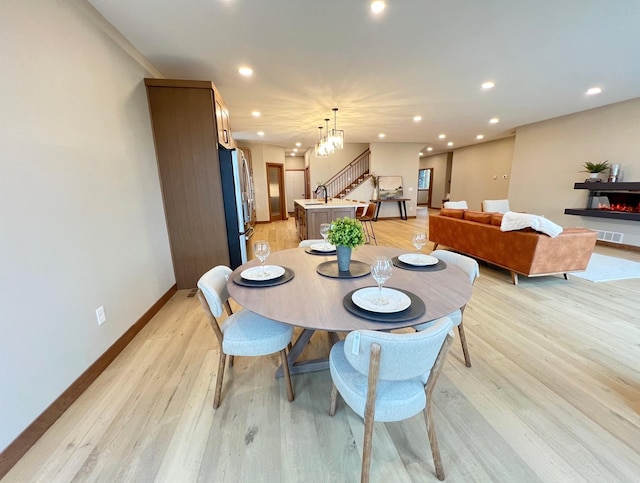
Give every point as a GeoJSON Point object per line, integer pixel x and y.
{"type": "Point", "coordinates": [308, 243]}
{"type": "Point", "coordinates": [390, 377]}
{"type": "Point", "coordinates": [470, 267]}
{"type": "Point", "coordinates": [242, 333]}
{"type": "Point", "coordinates": [456, 204]}
{"type": "Point", "coordinates": [496, 206]}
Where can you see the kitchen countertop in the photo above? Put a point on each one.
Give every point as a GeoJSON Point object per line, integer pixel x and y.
{"type": "Point", "coordinates": [332, 203]}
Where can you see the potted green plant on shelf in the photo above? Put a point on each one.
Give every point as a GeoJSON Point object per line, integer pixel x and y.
{"type": "Point", "coordinates": [346, 234]}
{"type": "Point", "coordinates": [594, 169]}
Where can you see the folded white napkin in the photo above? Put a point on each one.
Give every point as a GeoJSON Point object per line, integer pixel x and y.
{"type": "Point", "coordinates": [517, 221]}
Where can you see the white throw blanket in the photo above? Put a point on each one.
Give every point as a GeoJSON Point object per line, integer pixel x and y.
{"type": "Point", "coordinates": [517, 221]}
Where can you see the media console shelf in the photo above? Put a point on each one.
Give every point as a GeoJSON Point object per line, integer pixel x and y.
{"type": "Point", "coordinates": [610, 200]}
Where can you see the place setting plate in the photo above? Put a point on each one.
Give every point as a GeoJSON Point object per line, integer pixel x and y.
{"type": "Point", "coordinates": [420, 263]}
{"type": "Point", "coordinates": [321, 249]}
{"type": "Point", "coordinates": [403, 305]}
{"type": "Point", "coordinates": [252, 277]}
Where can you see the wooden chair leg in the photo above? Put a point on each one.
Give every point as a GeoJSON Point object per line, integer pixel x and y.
{"type": "Point", "coordinates": [431, 384]}
{"type": "Point", "coordinates": [334, 399]}
{"type": "Point", "coordinates": [370, 411]}
{"type": "Point", "coordinates": [465, 349]}
{"type": "Point", "coordinates": [287, 375]}
{"type": "Point", "coordinates": [433, 442]}
{"type": "Point", "coordinates": [218, 391]}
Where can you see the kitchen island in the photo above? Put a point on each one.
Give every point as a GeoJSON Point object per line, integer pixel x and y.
{"type": "Point", "coordinates": [311, 213]}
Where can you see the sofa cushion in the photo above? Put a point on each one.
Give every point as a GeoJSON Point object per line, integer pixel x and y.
{"type": "Point", "coordinates": [452, 212]}
{"type": "Point", "coordinates": [496, 218]}
{"type": "Point", "coordinates": [478, 216]}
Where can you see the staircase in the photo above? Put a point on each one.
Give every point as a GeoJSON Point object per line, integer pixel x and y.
{"type": "Point", "coordinates": [348, 178]}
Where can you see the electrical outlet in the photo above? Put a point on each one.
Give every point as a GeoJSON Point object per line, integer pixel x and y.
{"type": "Point", "coordinates": [100, 315]}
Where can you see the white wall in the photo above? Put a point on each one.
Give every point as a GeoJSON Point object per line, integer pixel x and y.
{"type": "Point", "coordinates": [474, 169]}
{"type": "Point", "coordinates": [548, 157]}
{"type": "Point", "coordinates": [439, 164]}
{"type": "Point", "coordinates": [82, 218]}
{"type": "Point", "coordinates": [261, 154]}
{"type": "Point", "coordinates": [397, 159]}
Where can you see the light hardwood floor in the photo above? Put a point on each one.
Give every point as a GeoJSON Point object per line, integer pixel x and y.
{"type": "Point", "coordinates": [553, 395]}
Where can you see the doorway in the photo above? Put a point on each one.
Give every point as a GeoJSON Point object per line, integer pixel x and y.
{"type": "Point", "coordinates": [276, 192]}
{"type": "Point", "coordinates": [295, 187]}
{"type": "Point", "coordinates": [425, 185]}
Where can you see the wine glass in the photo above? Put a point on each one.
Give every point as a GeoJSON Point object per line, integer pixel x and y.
{"type": "Point", "coordinates": [324, 231]}
{"type": "Point", "coordinates": [419, 239]}
{"type": "Point", "coordinates": [381, 270]}
{"type": "Point", "coordinates": [262, 249]}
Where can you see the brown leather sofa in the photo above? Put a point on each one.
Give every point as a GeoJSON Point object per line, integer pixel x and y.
{"type": "Point", "coordinates": [524, 252]}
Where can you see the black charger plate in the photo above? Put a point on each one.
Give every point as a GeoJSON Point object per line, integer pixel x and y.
{"type": "Point", "coordinates": [415, 310]}
{"type": "Point", "coordinates": [284, 278]}
{"type": "Point", "coordinates": [426, 268]}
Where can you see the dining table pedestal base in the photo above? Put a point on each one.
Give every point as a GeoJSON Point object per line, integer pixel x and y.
{"type": "Point", "coordinates": [313, 365]}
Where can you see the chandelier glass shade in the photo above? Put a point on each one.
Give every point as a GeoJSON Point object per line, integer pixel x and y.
{"type": "Point", "coordinates": [332, 141]}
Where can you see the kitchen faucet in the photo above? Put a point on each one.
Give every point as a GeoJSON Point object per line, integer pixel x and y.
{"type": "Point", "coordinates": [324, 188]}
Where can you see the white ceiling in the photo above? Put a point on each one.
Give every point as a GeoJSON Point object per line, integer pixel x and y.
{"type": "Point", "coordinates": [420, 57]}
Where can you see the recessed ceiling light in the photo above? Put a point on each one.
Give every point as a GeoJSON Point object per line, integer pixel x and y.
{"type": "Point", "coordinates": [442, 136]}
{"type": "Point", "coordinates": [494, 120]}
{"type": "Point", "coordinates": [260, 133]}
{"type": "Point", "coordinates": [488, 85]}
{"type": "Point", "coordinates": [293, 154]}
{"type": "Point", "coordinates": [450, 143]}
{"type": "Point", "coordinates": [246, 71]}
{"type": "Point", "coordinates": [381, 135]}
{"type": "Point", "coordinates": [377, 6]}
{"type": "Point", "coordinates": [417, 118]}
{"type": "Point", "coordinates": [255, 113]}
{"type": "Point", "coordinates": [593, 90]}
{"type": "Point", "coordinates": [421, 153]}
{"type": "Point", "coordinates": [480, 136]}
{"type": "Point", "coordinates": [295, 150]}
{"type": "Point", "coordinates": [429, 148]}
{"type": "Point", "coordinates": [298, 144]}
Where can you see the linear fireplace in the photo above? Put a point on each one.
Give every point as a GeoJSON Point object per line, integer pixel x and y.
{"type": "Point", "coordinates": [610, 200]}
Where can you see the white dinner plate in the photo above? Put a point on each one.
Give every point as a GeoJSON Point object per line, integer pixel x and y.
{"type": "Point", "coordinates": [417, 260]}
{"type": "Point", "coordinates": [323, 247]}
{"type": "Point", "coordinates": [255, 273]}
{"type": "Point", "coordinates": [397, 301]}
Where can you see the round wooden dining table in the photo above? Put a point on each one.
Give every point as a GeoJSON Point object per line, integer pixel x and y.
{"type": "Point", "coordinates": [315, 302]}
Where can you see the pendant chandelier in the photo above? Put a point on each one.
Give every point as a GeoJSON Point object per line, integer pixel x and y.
{"type": "Point", "coordinates": [332, 141]}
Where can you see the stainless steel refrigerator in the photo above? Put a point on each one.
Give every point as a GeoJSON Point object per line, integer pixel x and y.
{"type": "Point", "coordinates": [237, 193]}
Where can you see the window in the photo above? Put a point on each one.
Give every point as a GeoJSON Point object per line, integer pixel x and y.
{"type": "Point", "coordinates": [424, 178]}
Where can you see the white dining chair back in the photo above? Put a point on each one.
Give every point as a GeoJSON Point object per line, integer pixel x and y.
{"type": "Point", "coordinates": [467, 264]}
{"type": "Point", "coordinates": [242, 333]}
{"type": "Point", "coordinates": [308, 243]}
{"type": "Point", "coordinates": [496, 206]}
{"type": "Point", "coordinates": [471, 269]}
{"type": "Point", "coordinates": [390, 377]}
{"type": "Point", "coordinates": [456, 204]}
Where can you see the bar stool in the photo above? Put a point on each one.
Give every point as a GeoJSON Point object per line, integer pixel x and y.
{"type": "Point", "coordinates": [367, 222]}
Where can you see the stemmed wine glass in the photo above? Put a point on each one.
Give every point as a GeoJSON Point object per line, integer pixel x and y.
{"type": "Point", "coordinates": [381, 270]}
{"type": "Point", "coordinates": [324, 231]}
{"type": "Point", "coordinates": [419, 239]}
{"type": "Point", "coordinates": [262, 249]}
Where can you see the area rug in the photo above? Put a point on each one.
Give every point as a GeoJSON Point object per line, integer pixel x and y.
{"type": "Point", "coordinates": [602, 268]}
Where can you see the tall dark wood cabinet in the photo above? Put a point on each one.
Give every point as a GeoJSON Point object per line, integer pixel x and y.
{"type": "Point", "coordinates": [186, 135]}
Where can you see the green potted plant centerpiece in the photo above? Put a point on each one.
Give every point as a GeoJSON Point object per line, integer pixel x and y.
{"type": "Point", "coordinates": [594, 169]}
{"type": "Point", "coordinates": [346, 234]}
